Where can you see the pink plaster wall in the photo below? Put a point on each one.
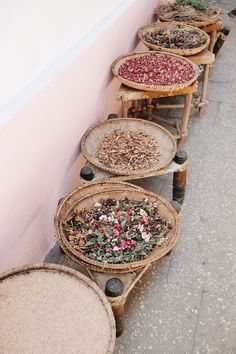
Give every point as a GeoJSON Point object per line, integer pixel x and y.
{"type": "Point", "coordinates": [39, 147]}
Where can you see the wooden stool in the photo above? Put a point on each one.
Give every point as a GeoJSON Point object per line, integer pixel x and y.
{"type": "Point", "coordinates": [117, 287]}
{"type": "Point", "coordinates": [131, 96]}
{"type": "Point", "coordinates": [206, 59]}
{"type": "Point", "coordinates": [213, 30]}
{"type": "Point", "coordinates": [128, 95]}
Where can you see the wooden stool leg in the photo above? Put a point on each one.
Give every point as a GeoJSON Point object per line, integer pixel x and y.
{"type": "Point", "coordinates": [213, 36]}
{"type": "Point", "coordinates": [118, 311]}
{"type": "Point", "coordinates": [149, 110]}
{"type": "Point", "coordinates": [180, 178]}
{"type": "Point", "coordinates": [135, 106]}
{"type": "Point", "coordinates": [125, 106]}
{"type": "Point", "coordinates": [185, 118]}
{"type": "Point", "coordinates": [114, 288]}
{"type": "Point", "coordinates": [204, 88]}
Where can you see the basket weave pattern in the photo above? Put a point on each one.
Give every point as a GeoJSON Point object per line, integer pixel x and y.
{"type": "Point", "coordinates": [59, 275]}
{"type": "Point", "coordinates": [91, 139]}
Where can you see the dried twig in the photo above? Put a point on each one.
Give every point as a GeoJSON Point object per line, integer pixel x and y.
{"type": "Point", "coordinates": [178, 12]}
{"type": "Point", "coordinates": [128, 150]}
{"type": "Point", "coordinates": [178, 37]}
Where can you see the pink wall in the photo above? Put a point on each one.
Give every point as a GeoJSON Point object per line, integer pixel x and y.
{"type": "Point", "coordinates": [39, 146]}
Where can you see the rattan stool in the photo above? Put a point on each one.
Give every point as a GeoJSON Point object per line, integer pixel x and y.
{"type": "Point", "coordinates": [128, 95]}
{"type": "Point", "coordinates": [206, 59]}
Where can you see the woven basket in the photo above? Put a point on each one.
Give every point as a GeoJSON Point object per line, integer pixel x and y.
{"type": "Point", "coordinates": [58, 310]}
{"type": "Point", "coordinates": [93, 136]}
{"type": "Point", "coordinates": [90, 189]}
{"type": "Point", "coordinates": [168, 26]}
{"type": "Point", "coordinates": [194, 23]}
{"type": "Point", "coordinates": [165, 209]}
{"type": "Point", "coordinates": [167, 88]}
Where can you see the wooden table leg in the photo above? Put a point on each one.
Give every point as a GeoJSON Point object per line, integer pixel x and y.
{"type": "Point", "coordinates": [180, 177]}
{"type": "Point", "coordinates": [125, 106]}
{"type": "Point", "coordinates": [204, 88]}
{"type": "Point", "coordinates": [185, 118]}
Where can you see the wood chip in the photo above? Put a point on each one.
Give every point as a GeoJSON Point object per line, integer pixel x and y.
{"type": "Point", "coordinates": [128, 150]}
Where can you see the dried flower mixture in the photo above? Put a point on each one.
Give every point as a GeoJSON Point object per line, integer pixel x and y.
{"type": "Point", "coordinates": [114, 231]}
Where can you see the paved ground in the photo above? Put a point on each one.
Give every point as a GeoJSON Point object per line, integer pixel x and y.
{"type": "Point", "coordinates": [186, 304]}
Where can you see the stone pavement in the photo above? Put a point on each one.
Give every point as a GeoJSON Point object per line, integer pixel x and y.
{"type": "Point", "coordinates": [186, 303]}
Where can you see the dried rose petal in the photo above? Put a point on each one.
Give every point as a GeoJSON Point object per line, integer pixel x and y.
{"type": "Point", "coordinates": [157, 69]}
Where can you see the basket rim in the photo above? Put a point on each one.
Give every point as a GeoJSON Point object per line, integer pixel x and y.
{"type": "Point", "coordinates": [116, 121]}
{"type": "Point", "coordinates": [152, 256]}
{"type": "Point", "coordinates": [90, 185]}
{"type": "Point", "coordinates": [178, 51]}
{"type": "Point", "coordinates": [160, 88]}
{"type": "Point", "coordinates": [194, 23]}
{"type": "Point", "coordinates": [56, 268]}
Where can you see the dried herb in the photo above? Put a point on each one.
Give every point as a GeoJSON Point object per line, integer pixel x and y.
{"type": "Point", "coordinates": [199, 5]}
{"type": "Point", "coordinates": [178, 37]}
{"type": "Point", "coordinates": [117, 231]}
{"type": "Point", "coordinates": [128, 149]}
{"type": "Point", "coordinates": [190, 11]}
{"type": "Point", "coordinates": [157, 69]}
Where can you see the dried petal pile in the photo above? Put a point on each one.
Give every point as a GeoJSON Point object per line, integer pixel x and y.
{"type": "Point", "coordinates": [157, 69]}
{"type": "Point", "coordinates": [128, 150]}
{"type": "Point", "coordinates": [177, 37]}
{"type": "Point", "coordinates": [178, 12]}
{"type": "Point", "coordinates": [117, 231]}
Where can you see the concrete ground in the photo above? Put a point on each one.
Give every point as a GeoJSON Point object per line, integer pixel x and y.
{"type": "Point", "coordinates": [186, 303]}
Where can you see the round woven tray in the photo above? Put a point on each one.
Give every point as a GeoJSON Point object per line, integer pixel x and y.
{"type": "Point", "coordinates": [95, 134]}
{"type": "Point", "coordinates": [167, 88]}
{"type": "Point", "coordinates": [165, 209]}
{"type": "Point", "coordinates": [89, 190]}
{"type": "Point", "coordinates": [168, 26]}
{"type": "Point", "coordinates": [194, 23]}
{"type": "Point", "coordinates": [53, 309]}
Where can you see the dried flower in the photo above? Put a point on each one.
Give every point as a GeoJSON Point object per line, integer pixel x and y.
{"type": "Point", "coordinates": [122, 231]}
{"type": "Point", "coordinates": [157, 69]}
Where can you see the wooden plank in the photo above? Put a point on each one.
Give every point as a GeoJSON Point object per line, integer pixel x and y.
{"type": "Point", "coordinates": [203, 58]}
{"type": "Point", "coordinates": [127, 94]}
